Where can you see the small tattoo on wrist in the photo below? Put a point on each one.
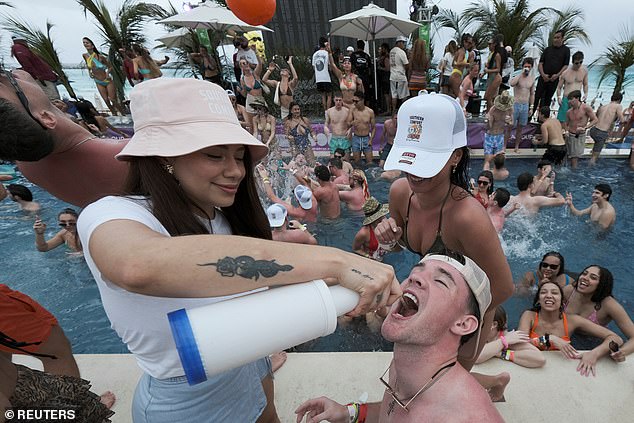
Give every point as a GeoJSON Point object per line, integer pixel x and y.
{"type": "Point", "coordinates": [248, 267]}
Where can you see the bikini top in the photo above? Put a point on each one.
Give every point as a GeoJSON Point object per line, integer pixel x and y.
{"type": "Point", "coordinates": [92, 61]}
{"type": "Point", "coordinates": [534, 334]}
{"type": "Point", "coordinates": [262, 128]}
{"type": "Point", "coordinates": [348, 82]}
{"type": "Point", "coordinates": [438, 246]}
{"type": "Point", "coordinates": [143, 71]}
{"type": "Point", "coordinates": [592, 316]}
{"type": "Point", "coordinates": [256, 85]}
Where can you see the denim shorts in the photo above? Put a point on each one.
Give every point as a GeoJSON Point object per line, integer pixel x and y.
{"type": "Point", "coordinates": [233, 396]}
{"type": "Point", "coordinates": [493, 144]}
{"type": "Point", "coordinates": [361, 144]}
{"type": "Point", "coordinates": [520, 114]}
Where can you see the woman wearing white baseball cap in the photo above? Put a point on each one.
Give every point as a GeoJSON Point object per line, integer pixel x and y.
{"type": "Point", "coordinates": [431, 208]}
{"type": "Point", "coordinates": [191, 231]}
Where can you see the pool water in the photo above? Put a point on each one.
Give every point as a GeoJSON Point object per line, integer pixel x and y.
{"type": "Point", "coordinates": [63, 284]}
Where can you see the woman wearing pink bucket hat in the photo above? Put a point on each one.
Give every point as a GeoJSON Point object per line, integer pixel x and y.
{"type": "Point", "coordinates": [191, 231]}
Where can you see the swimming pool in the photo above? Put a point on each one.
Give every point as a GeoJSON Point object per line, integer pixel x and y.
{"type": "Point", "coordinates": [64, 285]}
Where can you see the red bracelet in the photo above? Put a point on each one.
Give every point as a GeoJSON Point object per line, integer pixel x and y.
{"type": "Point", "coordinates": [363, 412]}
{"type": "Point", "coordinates": [505, 344]}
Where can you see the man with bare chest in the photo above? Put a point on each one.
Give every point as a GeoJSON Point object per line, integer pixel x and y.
{"type": "Point", "coordinates": [387, 138]}
{"type": "Point", "coordinates": [337, 126]}
{"type": "Point", "coordinates": [327, 194]}
{"type": "Point", "coordinates": [498, 117]}
{"type": "Point", "coordinates": [601, 211]}
{"type": "Point", "coordinates": [579, 118]}
{"type": "Point", "coordinates": [524, 95]}
{"type": "Point", "coordinates": [552, 137]}
{"type": "Point", "coordinates": [607, 115]}
{"type": "Point", "coordinates": [361, 119]}
{"type": "Point", "coordinates": [573, 78]}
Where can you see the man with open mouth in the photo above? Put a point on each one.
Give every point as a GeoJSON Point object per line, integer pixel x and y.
{"type": "Point", "coordinates": [444, 300]}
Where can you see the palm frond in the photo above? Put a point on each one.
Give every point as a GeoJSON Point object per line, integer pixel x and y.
{"type": "Point", "coordinates": [568, 20]}
{"type": "Point", "coordinates": [616, 59]}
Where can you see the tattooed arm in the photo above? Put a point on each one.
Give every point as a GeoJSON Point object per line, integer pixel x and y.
{"type": "Point", "coordinates": [138, 259]}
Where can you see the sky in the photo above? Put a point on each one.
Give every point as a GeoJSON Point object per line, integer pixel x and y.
{"type": "Point", "coordinates": [602, 23]}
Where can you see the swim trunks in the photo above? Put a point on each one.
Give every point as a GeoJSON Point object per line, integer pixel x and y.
{"type": "Point", "coordinates": [24, 320]}
{"type": "Point", "coordinates": [338, 142]}
{"type": "Point", "coordinates": [361, 144]}
{"type": "Point", "coordinates": [493, 144]}
{"type": "Point", "coordinates": [563, 109]}
{"type": "Point", "coordinates": [555, 154]}
{"type": "Point", "coordinates": [520, 114]}
{"type": "Point", "coordinates": [599, 137]}
{"type": "Point", "coordinates": [575, 144]}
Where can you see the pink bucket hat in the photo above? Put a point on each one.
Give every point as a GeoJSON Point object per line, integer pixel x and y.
{"type": "Point", "coordinates": [175, 116]}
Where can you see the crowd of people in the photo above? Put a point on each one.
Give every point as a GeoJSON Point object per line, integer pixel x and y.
{"type": "Point", "coordinates": [174, 200]}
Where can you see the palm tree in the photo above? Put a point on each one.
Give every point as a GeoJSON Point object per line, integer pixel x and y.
{"type": "Point", "coordinates": [514, 21]}
{"type": "Point", "coordinates": [569, 21]}
{"type": "Point", "coordinates": [118, 33]}
{"type": "Point", "coordinates": [42, 45]}
{"type": "Point", "coordinates": [616, 60]}
{"type": "Point", "coordinates": [447, 18]}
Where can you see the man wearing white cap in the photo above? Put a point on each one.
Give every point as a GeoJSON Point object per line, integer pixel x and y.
{"type": "Point", "coordinates": [442, 306]}
{"type": "Point", "coordinates": [307, 210]}
{"type": "Point", "coordinates": [431, 209]}
{"type": "Point", "coordinates": [283, 231]}
{"type": "Point", "coordinates": [398, 71]}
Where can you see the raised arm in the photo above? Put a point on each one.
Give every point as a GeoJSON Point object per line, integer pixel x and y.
{"type": "Point", "coordinates": [265, 78]}
{"type": "Point", "coordinates": [293, 83]}
{"type": "Point", "coordinates": [333, 67]}
{"type": "Point", "coordinates": [573, 209]}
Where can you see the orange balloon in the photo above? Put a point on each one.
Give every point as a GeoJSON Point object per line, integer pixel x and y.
{"type": "Point", "coordinates": [253, 12]}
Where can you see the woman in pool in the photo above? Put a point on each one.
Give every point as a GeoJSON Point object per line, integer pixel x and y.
{"type": "Point", "coordinates": [191, 231]}
{"type": "Point", "coordinates": [251, 87]}
{"type": "Point", "coordinates": [550, 328]}
{"type": "Point", "coordinates": [508, 345]}
{"type": "Point", "coordinates": [67, 220]}
{"type": "Point", "coordinates": [431, 209]}
{"type": "Point", "coordinates": [285, 87]}
{"type": "Point", "coordinates": [550, 269]}
{"type": "Point", "coordinates": [297, 128]}
{"type": "Point", "coordinates": [591, 297]}
{"type": "Point", "coordinates": [144, 66]}
{"type": "Point", "coordinates": [484, 187]}
{"type": "Point", "coordinates": [99, 69]}
{"type": "Point", "coordinates": [349, 82]}
{"type": "Point", "coordinates": [365, 242]}
{"type": "Point", "coordinates": [355, 194]}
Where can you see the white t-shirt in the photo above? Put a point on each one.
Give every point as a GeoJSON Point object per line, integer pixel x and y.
{"type": "Point", "coordinates": [141, 320]}
{"type": "Point", "coordinates": [398, 60]}
{"type": "Point", "coordinates": [320, 64]}
{"type": "Point", "coordinates": [448, 60]}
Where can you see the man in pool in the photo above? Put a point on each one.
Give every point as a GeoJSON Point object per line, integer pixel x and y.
{"type": "Point", "coordinates": [601, 211]}
{"type": "Point", "coordinates": [442, 307]}
{"type": "Point", "coordinates": [607, 115]}
{"type": "Point", "coordinates": [528, 204]}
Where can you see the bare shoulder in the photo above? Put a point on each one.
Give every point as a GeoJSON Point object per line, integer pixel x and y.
{"type": "Point", "coordinates": [399, 189]}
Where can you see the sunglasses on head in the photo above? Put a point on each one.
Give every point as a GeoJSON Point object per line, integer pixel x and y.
{"type": "Point", "coordinates": [20, 94]}
{"type": "Point", "coordinates": [67, 224]}
{"type": "Point", "coordinates": [485, 183]}
{"type": "Point", "coordinates": [545, 265]}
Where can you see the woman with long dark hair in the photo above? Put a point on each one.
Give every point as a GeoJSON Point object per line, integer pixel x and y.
{"type": "Point", "coordinates": [551, 268]}
{"type": "Point", "coordinates": [431, 209]}
{"type": "Point", "coordinates": [493, 69]}
{"type": "Point", "coordinates": [144, 66]}
{"type": "Point", "coordinates": [100, 70]}
{"type": "Point", "coordinates": [297, 128]}
{"type": "Point", "coordinates": [484, 187]}
{"type": "Point", "coordinates": [550, 328]}
{"type": "Point", "coordinates": [191, 231]}
{"type": "Point", "coordinates": [591, 297]}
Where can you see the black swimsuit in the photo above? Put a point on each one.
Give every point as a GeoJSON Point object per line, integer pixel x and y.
{"type": "Point", "coordinates": [438, 246]}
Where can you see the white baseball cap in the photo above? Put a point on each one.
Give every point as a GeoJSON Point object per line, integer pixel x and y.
{"type": "Point", "coordinates": [349, 48]}
{"type": "Point", "coordinates": [401, 38]}
{"type": "Point", "coordinates": [276, 214]}
{"type": "Point", "coordinates": [478, 282]}
{"type": "Point", "coordinates": [304, 196]}
{"type": "Point", "coordinates": [430, 128]}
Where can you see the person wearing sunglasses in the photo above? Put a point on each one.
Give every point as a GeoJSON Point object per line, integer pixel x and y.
{"type": "Point", "coordinates": [551, 268]}
{"type": "Point", "coordinates": [484, 188]}
{"type": "Point", "coordinates": [51, 150]}
{"type": "Point", "coordinates": [575, 77]}
{"type": "Point", "coordinates": [67, 220]}
{"type": "Point", "coordinates": [443, 305]}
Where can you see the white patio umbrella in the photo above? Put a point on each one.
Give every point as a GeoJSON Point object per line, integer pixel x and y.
{"type": "Point", "coordinates": [177, 38]}
{"type": "Point", "coordinates": [369, 23]}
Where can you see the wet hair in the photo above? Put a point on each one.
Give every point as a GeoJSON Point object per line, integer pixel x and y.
{"type": "Point", "coordinates": [604, 189]}
{"type": "Point", "coordinates": [574, 94]}
{"type": "Point", "coordinates": [290, 109]}
{"type": "Point", "coordinates": [617, 97]}
{"type": "Point", "coordinates": [545, 111]}
{"type": "Point", "coordinates": [360, 44]}
{"type": "Point", "coordinates": [340, 151]}
{"type": "Point", "coordinates": [500, 318]}
{"type": "Point", "coordinates": [359, 94]}
{"type": "Point", "coordinates": [489, 175]}
{"type": "Point", "coordinates": [498, 161]}
{"type": "Point", "coordinates": [604, 287]}
{"type": "Point", "coordinates": [336, 162]}
{"type": "Point", "coordinates": [537, 306]}
{"type": "Point", "coordinates": [543, 163]}
{"type": "Point", "coordinates": [322, 173]}
{"type": "Point", "coordinates": [94, 46]}
{"type": "Point", "coordinates": [22, 138]}
{"type": "Point", "coordinates": [578, 55]}
{"type": "Point", "coordinates": [528, 61]}
{"type": "Point", "coordinates": [502, 197]}
{"type": "Point", "coordinates": [21, 191]}
{"type": "Point", "coordinates": [70, 211]}
{"type": "Point", "coordinates": [322, 42]}
{"type": "Point", "coordinates": [524, 181]}
{"type": "Point", "coordinates": [562, 264]}
{"type": "Point", "coordinates": [172, 207]}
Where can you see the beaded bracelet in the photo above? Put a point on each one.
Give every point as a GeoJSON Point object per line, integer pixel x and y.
{"type": "Point", "coordinates": [505, 343]}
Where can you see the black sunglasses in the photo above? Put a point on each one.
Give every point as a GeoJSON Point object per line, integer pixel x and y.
{"type": "Point", "coordinates": [21, 96]}
{"type": "Point", "coordinates": [67, 224]}
{"type": "Point", "coordinates": [485, 183]}
{"type": "Point", "coordinates": [545, 265]}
